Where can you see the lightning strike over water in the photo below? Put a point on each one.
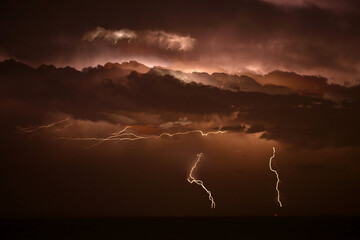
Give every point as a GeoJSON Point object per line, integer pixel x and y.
{"type": "Point", "coordinates": [33, 129]}
{"type": "Point", "coordinates": [122, 135]}
{"type": "Point", "coordinates": [277, 177]}
{"type": "Point", "coordinates": [191, 179]}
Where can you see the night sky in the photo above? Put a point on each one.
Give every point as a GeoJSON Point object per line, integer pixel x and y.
{"type": "Point", "coordinates": [105, 105]}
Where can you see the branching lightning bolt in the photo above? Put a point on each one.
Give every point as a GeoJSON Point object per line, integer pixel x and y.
{"type": "Point", "coordinates": [191, 179]}
{"type": "Point", "coordinates": [33, 129]}
{"type": "Point", "coordinates": [122, 135]}
{"type": "Point", "coordinates": [277, 177]}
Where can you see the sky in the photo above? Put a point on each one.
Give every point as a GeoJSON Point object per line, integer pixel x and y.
{"type": "Point", "coordinates": [105, 106]}
{"type": "Point", "coordinates": [308, 37]}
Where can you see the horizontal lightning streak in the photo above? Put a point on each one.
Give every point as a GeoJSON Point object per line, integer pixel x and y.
{"type": "Point", "coordinates": [191, 179]}
{"type": "Point", "coordinates": [121, 135]}
{"type": "Point", "coordinates": [33, 129]}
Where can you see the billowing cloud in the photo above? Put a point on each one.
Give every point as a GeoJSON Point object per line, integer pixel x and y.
{"type": "Point", "coordinates": [307, 37]}
{"type": "Point", "coordinates": [182, 121]}
{"type": "Point", "coordinates": [112, 36]}
{"type": "Point", "coordinates": [265, 73]}
{"type": "Point", "coordinates": [120, 178]}
{"type": "Point", "coordinates": [169, 41]}
{"type": "Point", "coordinates": [158, 39]}
{"type": "Point", "coordinates": [299, 119]}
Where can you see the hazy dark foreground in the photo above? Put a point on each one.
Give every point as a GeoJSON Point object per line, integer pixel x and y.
{"type": "Point", "coordinates": [183, 228]}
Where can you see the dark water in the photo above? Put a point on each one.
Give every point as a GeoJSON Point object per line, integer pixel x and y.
{"type": "Point", "coordinates": [183, 228]}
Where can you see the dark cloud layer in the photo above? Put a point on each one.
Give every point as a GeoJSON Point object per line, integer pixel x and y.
{"type": "Point", "coordinates": [266, 73]}
{"type": "Point", "coordinates": [308, 38]}
{"type": "Point", "coordinates": [300, 120]}
{"type": "Point", "coordinates": [46, 175]}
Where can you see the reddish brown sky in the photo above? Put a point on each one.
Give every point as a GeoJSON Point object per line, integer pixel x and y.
{"type": "Point", "coordinates": [56, 170]}
{"type": "Point", "coordinates": [286, 58]}
{"type": "Point", "coordinates": [319, 38]}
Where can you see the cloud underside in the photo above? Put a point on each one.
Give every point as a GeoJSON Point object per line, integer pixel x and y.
{"type": "Point", "coordinates": [162, 102]}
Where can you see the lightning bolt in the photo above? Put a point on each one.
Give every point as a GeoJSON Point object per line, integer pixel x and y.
{"type": "Point", "coordinates": [277, 177]}
{"type": "Point", "coordinates": [122, 135]}
{"type": "Point", "coordinates": [191, 179]}
{"type": "Point", "coordinates": [33, 129]}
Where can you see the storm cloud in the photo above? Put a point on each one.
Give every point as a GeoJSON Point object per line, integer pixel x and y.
{"type": "Point", "coordinates": [320, 38]}
{"type": "Point", "coordinates": [159, 39]}
{"type": "Point", "coordinates": [105, 105]}
{"type": "Point", "coordinates": [299, 118]}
